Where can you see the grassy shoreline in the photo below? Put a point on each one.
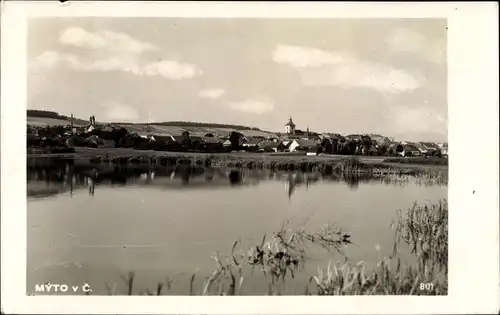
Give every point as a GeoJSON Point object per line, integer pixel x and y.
{"type": "Point", "coordinates": [325, 164]}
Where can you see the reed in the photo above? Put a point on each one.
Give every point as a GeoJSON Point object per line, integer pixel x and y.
{"type": "Point", "coordinates": [433, 160]}
{"type": "Point", "coordinates": [425, 229]}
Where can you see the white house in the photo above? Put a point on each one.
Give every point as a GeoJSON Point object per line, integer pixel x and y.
{"type": "Point", "coordinates": [410, 150]}
{"type": "Point", "coordinates": [252, 142]}
{"type": "Point", "coordinates": [443, 146]}
{"type": "Point", "coordinates": [303, 145]}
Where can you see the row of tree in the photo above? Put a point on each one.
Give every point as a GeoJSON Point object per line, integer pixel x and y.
{"type": "Point", "coordinates": [203, 125]}
{"type": "Point", "coordinates": [363, 147]}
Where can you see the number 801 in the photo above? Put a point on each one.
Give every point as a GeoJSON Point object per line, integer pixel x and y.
{"type": "Point", "coordinates": [426, 286]}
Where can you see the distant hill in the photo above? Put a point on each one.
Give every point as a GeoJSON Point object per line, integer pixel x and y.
{"type": "Point", "coordinates": [198, 124]}
{"type": "Point", "coordinates": [43, 117]}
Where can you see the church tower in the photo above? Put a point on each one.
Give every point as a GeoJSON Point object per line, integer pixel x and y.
{"type": "Point", "coordinates": [290, 127]}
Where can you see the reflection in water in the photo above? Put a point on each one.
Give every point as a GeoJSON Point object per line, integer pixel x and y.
{"type": "Point", "coordinates": [235, 177]}
{"type": "Point", "coordinates": [91, 184]}
{"type": "Point", "coordinates": [91, 178]}
{"type": "Point", "coordinates": [295, 180]}
{"type": "Point", "coordinates": [69, 177]}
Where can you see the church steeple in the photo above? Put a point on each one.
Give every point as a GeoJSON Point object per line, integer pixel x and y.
{"type": "Point", "coordinates": [290, 126]}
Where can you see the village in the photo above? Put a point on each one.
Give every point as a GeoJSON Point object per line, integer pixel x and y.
{"type": "Point", "coordinates": [60, 139]}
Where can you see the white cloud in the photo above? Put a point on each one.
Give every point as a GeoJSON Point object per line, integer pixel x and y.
{"type": "Point", "coordinates": [118, 112]}
{"type": "Point", "coordinates": [111, 51]}
{"type": "Point", "coordinates": [409, 41]}
{"type": "Point", "coordinates": [49, 58]}
{"type": "Point", "coordinates": [172, 69]}
{"type": "Point", "coordinates": [323, 68]}
{"type": "Point", "coordinates": [257, 105]}
{"type": "Point", "coordinates": [169, 69]}
{"type": "Point", "coordinates": [382, 78]}
{"type": "Point", "coordinates": [211, 93]}
{"type": "Point", "coordinates": [109, 40]}
{"type": "Point", "coordinates": [303, 57]}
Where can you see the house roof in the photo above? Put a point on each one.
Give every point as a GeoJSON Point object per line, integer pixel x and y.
{"type": "Point", "coordinates": [410, 147]}
{"type": "Point", "coordinates": [253, 141]}
{"type": "Point", "coordinates": [211, 140]}
{"type": "Point", "coordinates": [334, 136]}
{"type": "Point", "coordinates": [178, 138]}
{"type": "Point", "coordinates": [419, 146]}
{"type": "Point", "coordinates": [196, 138]}
{"type": "Point", "coordinates": [290, 123]}
{"type": "Point", "coordinates": [163, 138]}
{"type": "Point", "coordinates": [269, 144]}
{"type": "Point", "coordinates": [287, 143]}
{"type": "Point", "coordinates": [110, 125]}
{"type": "Point", "coordinates": [430, 145]}
{"type": "Point", "coordinates": [306, 143]}
{"type": "Point", "coordinates": [359, 137]}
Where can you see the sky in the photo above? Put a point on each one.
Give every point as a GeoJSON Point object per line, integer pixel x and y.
{"type": "Point", "coordinates": [383, 76]}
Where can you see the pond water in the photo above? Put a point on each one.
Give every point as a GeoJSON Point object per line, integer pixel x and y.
{"type": "Point", "coordinates": [169, 223]}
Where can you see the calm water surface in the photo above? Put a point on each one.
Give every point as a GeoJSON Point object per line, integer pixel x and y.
{"type": "Point", "coordinates": [169, 224]}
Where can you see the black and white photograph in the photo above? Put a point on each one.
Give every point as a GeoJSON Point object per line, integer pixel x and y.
{"type": "Point", "coordinates": [240, 156]}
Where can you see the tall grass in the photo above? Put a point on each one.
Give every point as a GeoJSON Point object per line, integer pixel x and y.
{"type": "Point", "coordinates": [432, 160]}
{"type": "Point", "coordinates": [425, 229]}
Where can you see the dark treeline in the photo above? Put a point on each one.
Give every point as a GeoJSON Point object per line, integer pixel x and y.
{"type": "Point", "coordinates": [45, 113]}
{"type": "Point", "coordinates": [200, 124]}
{"type": "Point", "coordinates": [51, 114]}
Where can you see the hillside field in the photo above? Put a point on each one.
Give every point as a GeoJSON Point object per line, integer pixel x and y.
{"type": "Point", "coordinates": [150, 129]}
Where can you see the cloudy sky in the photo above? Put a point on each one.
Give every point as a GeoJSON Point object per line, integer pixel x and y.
{"type": "Point", "coordinates": [332, 75]}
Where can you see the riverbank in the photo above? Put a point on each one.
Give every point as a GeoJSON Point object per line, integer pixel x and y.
{"type": "Point", "coordinates": [324, 164]}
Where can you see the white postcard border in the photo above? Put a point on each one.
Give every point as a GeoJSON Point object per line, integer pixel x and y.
{"type": "Point", "coordinates": [473, 189]}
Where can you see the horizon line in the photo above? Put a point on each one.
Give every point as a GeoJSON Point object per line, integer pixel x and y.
{"type": "Point", "coordinates": [247, 127]}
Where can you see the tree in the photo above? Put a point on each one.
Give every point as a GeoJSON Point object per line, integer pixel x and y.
{"type": "Point", "coordinates": [119, 135]}
{"type": "Point", "coordinates": [436, 153]}
{"type": "Point", "coordinates": [399, 148]}
{"type": "Point", "coordinates": [327, 146]}
{"type": "Point", "coordinates": [319, 150]}
{"type": "Point", "coordinates": [186, 139]}
{"type": "Point", "coordinates": [366, 143]}
{"type": "Point", "coordinates": [235, 137]}
{"type": "Point", "coordinates": [383, 149]}
{"type": "Point", "coordinates": [348, 147]}
{"type": "Point", "coordinates": [396, 150]}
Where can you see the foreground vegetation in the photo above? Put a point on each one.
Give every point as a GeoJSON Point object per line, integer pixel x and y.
{"type": "Point", "coordinates": [422, 228]}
